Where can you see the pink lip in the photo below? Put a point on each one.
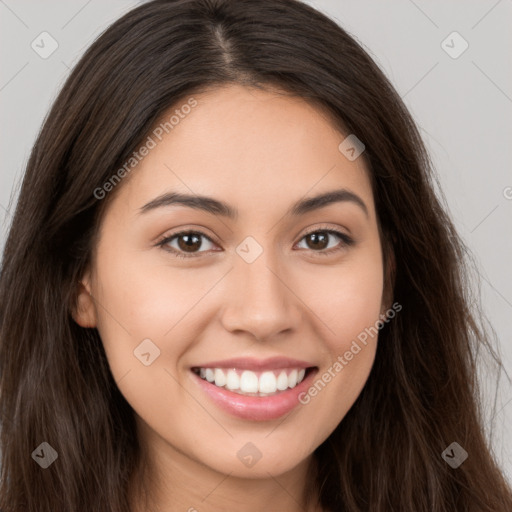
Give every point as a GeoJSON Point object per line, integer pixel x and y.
{"type": "Point", "coordinates": [248, 363]}
{"type": "Point", "coordinates": [252, 407]}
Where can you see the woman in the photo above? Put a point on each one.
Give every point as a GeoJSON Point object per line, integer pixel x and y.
{"type": "Point", "coordinates": [229, 283]}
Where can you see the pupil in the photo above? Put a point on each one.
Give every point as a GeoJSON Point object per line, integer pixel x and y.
{"type": "Point", "coordinates": [189, 244]}
{"type": "Point", "coordinates": [315, 237]}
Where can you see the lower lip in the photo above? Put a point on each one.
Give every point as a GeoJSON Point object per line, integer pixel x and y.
{"type": "Point", "coordinates": [254, 408]}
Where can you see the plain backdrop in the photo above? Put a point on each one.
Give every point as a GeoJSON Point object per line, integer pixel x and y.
{"type": "Point", "coordinates": [449, 61]}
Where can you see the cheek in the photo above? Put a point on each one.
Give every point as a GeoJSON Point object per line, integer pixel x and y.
{"type": "Point", "coordinates": [348, 304]}
{"type": "Point", "coordinates": [143, 309]}
{"type": "Point", "coordinates": [347, 299]}
{"type": "Point", "coordinates": [151, 317]}
{"type": "Point", "coordinates": [146, 300]}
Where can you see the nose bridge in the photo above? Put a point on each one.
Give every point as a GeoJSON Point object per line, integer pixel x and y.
{"type": "Point", "coordinates": [260, 301]}
{"type": "Point", "coordinates": [261, 283]}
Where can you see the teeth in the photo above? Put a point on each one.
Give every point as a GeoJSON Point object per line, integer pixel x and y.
{"type": "Point", "coordinates": [282, 381]}
{"type": "Point", "coordinates": [232, 380]}
{"type": "Point", "coordinates": [268, 383]}
{"type": "Point", "coordinates": [248, 382]}
{"type": "Point", "coordinates": [220, 377]}
{"type": "Point", "coordinates": [254, 383]}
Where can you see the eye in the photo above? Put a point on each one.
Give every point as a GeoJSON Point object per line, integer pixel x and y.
{"type": "Point", "coordinates": [187, 243]}
{"type": "Point", "coordinates": [318, 240]}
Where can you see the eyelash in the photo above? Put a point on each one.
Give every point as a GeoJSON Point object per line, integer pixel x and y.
{"type": "Point", "coordinates": [346, 240]}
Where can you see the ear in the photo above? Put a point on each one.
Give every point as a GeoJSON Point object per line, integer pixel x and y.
{"type": "Point", "coordinates": [84, 311]}
{"type": "Point", "coordinates": [389, 279]}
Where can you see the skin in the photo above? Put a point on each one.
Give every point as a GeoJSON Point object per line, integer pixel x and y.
{"type": "Point", "coordinates": [260, 152]}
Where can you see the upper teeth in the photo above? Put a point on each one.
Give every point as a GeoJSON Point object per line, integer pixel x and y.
{"type": "Point", "coordinates": [247, 381]}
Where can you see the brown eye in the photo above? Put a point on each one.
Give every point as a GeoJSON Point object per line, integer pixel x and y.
{"type": "Point", "coordinates": [188, 243]}
{"type": "Point", "coordinates": [318, 241]}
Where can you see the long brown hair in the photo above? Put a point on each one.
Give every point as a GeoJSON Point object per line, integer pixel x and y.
{"type": "Point", "coordinates": [55, 383]}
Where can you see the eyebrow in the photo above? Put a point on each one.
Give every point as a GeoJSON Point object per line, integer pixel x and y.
{"type": "Point", "coordinates": [216, 207]}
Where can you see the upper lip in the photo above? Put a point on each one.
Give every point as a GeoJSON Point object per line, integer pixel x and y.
{"type": "Point", "coordinates": [249, 363]}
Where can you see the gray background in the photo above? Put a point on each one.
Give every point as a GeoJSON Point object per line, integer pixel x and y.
{"type": "Point", "coordinates": [462, 105]}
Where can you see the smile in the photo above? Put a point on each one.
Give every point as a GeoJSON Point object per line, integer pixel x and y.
{"type": "Point", "coordinates": [251, 389]}
{"type": "Point", "coordinates": [253, 383]}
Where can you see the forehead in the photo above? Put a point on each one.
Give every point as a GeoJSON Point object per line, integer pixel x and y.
{"type": "Point", "coordinates": [255, 148]}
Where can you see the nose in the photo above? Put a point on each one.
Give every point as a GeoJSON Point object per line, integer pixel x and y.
{"type": "Point", "coordinates": [261, 300]}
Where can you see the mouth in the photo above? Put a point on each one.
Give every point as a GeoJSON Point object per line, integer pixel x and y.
{"type": "Point", "coordinates": [255, 390]}
{"type": "Point", "coordinates": [254, 383]}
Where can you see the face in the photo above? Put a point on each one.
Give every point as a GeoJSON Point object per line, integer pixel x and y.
{"type": "Point", "coordinates": [211, 311]}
